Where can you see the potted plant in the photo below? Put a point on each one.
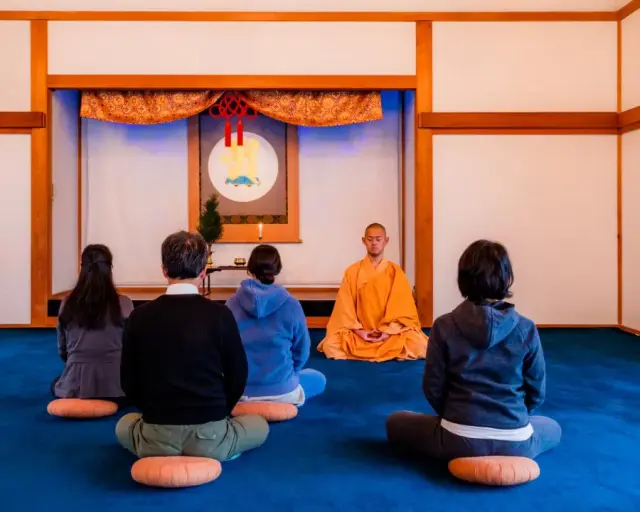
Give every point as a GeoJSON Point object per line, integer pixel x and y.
{"type": "Point", "coordinates": [210, 225]}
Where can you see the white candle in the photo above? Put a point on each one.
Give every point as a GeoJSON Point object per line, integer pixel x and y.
{"type": "Point", "coordinates": [260, 231]}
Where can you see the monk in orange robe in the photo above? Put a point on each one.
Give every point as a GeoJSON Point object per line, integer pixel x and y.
{"type": "Point", "coordinates": [374, 317]}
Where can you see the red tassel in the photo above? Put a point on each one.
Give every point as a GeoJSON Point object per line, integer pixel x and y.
{"type": "Point", "coordinates": [240, 139]}
{"type": "Point", "coordinates": [227, 133]}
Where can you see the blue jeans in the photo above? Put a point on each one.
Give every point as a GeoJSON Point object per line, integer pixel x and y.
{"type": "Point", "coordinates": [313, 382]}
{"type": "Point", "coordinates": [422, 433]}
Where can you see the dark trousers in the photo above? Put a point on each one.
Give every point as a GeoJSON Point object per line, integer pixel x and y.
{"type": "Point", "coordinates": [422, 433]}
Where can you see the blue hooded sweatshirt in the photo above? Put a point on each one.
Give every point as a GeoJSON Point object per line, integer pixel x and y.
{"type": "Point", "coordinates": [485, 366]}
{"type": "Point", "coordinates": [274, 333]}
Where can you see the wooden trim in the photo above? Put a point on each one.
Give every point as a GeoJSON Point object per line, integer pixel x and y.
{"type": "Point", "coordinates": [424, 175]}
{"type": "Point", "coordinates": [519, 120]}
{"type": "Point", "coordinates": [621, 119]}
{"type": "Point", "coordinates": [223, 289]}
{"type": "Point", "coordinates": [80, 191]}
{"type": "Point", "coordinates": [22, 120]}
{"type": "Point", "coordinates": [248, 233]}
{"type": "Point", "coordinates": [403, 179]}
{"type": "Point", "coordinates": [51, 195]}
{"type": "Point", "coordinates": [628, 9]}
{"type": "Point", "coordinates": [15, 131]}
{"type": "Point", "coordinates": [309, 16]}
{"type": "Point", "coordinates": [193, 162]}
{"type": "Point", "coordinates": [577, 326]}
{"type": "Point", "coordinates": [629, 117]}
{"type": "Point", "coordinates": [315, 82]}
{"type": "Point", "coordinates": [317, 322]}
{"type": "Point", "coordinates": [40, 178]}
{"type": "Point", "coordinates": [629, 330]}
{"type": "Point", "coordinates": [525, 131]}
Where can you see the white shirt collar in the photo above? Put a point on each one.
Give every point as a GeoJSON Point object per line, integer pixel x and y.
{"type": "Point", "coordinates": [182, 289]}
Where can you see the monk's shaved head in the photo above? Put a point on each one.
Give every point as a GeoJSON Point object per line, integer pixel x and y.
{"type": "Point", "coordinates": [375, 239]}
{"type": "Point", "coordinates": [375, 225]}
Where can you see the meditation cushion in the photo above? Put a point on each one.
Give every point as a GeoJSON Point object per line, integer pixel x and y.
{"type": "Point", "coordinates": [270, 411]}
{"type": "Point", "coordinates": [174, 472]}
{"type": "Point", "coordinates": [81, 408]}
{"type": "Point", "coordinates": [495, 470]}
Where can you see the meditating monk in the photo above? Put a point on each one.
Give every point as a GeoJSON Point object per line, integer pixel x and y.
{"type": "Point", "coordinates": [374, 318]}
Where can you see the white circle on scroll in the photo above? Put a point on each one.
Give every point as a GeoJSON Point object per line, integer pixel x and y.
{"type": "Point", "coordinates": [243, 173]}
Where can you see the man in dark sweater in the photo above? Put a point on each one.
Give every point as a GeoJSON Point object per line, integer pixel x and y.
{"type": "Point", "coordinates": [184, 367]}
{"type": "Point", "coordinates": [484, 375]}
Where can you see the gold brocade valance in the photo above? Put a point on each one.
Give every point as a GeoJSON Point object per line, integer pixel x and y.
{"type": "Point", "coordinates": [145, 107]}
{"type": "Point", "coordinates": [303, 108]}
{"type": "Point", "coordinates": [312, 108]}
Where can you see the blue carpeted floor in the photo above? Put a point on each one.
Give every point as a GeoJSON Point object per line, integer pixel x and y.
{"type": "Point", "coordinates": [333, 456]}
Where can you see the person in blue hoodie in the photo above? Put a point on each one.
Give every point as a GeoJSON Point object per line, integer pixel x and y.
{"type": "Point", "coordinates": [484, 374]}
{"type": "Point", "coordinates": [274, 333]}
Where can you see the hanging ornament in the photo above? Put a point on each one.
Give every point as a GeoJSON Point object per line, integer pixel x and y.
{"type": "Point", "coordinates": [232, 104]}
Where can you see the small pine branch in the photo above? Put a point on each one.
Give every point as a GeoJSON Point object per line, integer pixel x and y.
{"type": "Point", "coordinates": [210, 223]}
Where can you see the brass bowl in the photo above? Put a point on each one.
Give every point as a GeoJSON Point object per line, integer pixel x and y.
{"type": "Point", "coordinates": [239, 262]}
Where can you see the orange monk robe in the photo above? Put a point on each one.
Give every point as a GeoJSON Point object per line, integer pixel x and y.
{"type": "Point", "coordinates": [374, 299]}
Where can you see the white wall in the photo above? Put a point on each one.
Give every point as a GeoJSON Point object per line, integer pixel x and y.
{"type": "Point", "coordinates": [551, 199]}
{"type": "Point", "coordinates": [269, 48]}
{"type": "Point", "coordinates": [515, 67]}
{"type": "Point", "coordinates": [15, 228]}
{"type": "Point", "coordinates": [410, 189]}
{"type": "Point", "coordinates": [631, 61]}
{"type": "Point", "coordinates": [15, 175]}
{"type": "Point", "coordinates": [15, 66]}
{"type": "Point", "coordinates": [137, 194]}
{"type": "Point", "coordinates": [631, 230]}
{"type": "Point", "coordinates": [315, 5]}
{"type": "Point", "coordinates": [64, 168]}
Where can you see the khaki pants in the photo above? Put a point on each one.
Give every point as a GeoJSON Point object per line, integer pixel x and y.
{"type": "Point", "coordinates": [220, 440]}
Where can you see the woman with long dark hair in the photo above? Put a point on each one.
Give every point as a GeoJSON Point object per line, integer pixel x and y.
{"type": "Point", "coordinates": [274, 333]}
{"type": "Point", "coordinates": [90, 326]}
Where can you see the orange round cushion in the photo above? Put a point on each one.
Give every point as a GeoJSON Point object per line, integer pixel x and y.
{"type": "Point", "coordinates": [175, 471]}
{"type": "Point", "coordinates": [270, 411]}
{"type": "Point", "coordinates": [495, 470]}
{"type": "Point", "coordinates": [81, 408]}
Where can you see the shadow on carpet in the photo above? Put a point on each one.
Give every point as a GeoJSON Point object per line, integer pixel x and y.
{"type": "Point", "coordinates": [333, 456]}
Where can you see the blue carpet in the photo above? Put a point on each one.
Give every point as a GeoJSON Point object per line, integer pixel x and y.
{"type": "Point", "coordinates": [333, 456]}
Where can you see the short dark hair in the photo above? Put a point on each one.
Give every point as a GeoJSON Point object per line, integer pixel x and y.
{"type": "Point", "coordinates": [264, 263]}
{"type": "Point", "coordinates": [184, 255]}
{"type": "Point", "coordinates": [484, 272]}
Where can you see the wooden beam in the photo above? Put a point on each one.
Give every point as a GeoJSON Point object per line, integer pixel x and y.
{"type": "Point", "coordinates": [186, 82]}
{"type": "Point", "coordinates": [628, 9]}
{"type": "Point", "coordinates": [629, 120]}
{"type": "Point", "coordinates": [22, 120]}
{"type": "Point", "coordinates": [424, 176]}
{"type": "Point", "coordinates": [40, 178]}
{"type": "Point", "coordinates": [519, 120]}
{"type": "Point", "coordinates": [306, 16]}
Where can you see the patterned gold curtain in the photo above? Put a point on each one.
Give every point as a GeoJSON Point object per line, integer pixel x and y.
{"type": "Point", "coordinates": [313, 108]}
{"type": "Point", "coordinates": [145, 107]}
{"type": "Point", "coordinates": [303, 108]}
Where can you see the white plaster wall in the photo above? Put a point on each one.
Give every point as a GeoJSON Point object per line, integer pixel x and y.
{"type": "Point", "coordinates": [314, 5]}
{"type": "Point", "coordinates": [213, 48]}
{"type": "Point", "coordinates": [15, 66]}
{"type": "Point", "coordinates": [551, 199]}
{"type": "Point", "coordinates": [631, 61]}
{"type": "Point", "coordinates": [15, 228]}
{"type": "Point", "coordinates": [631, 230]}
{"type": "Point", "coordinates": [521, 67]}
{"type": "Point", "coordinates": [64, 168]}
